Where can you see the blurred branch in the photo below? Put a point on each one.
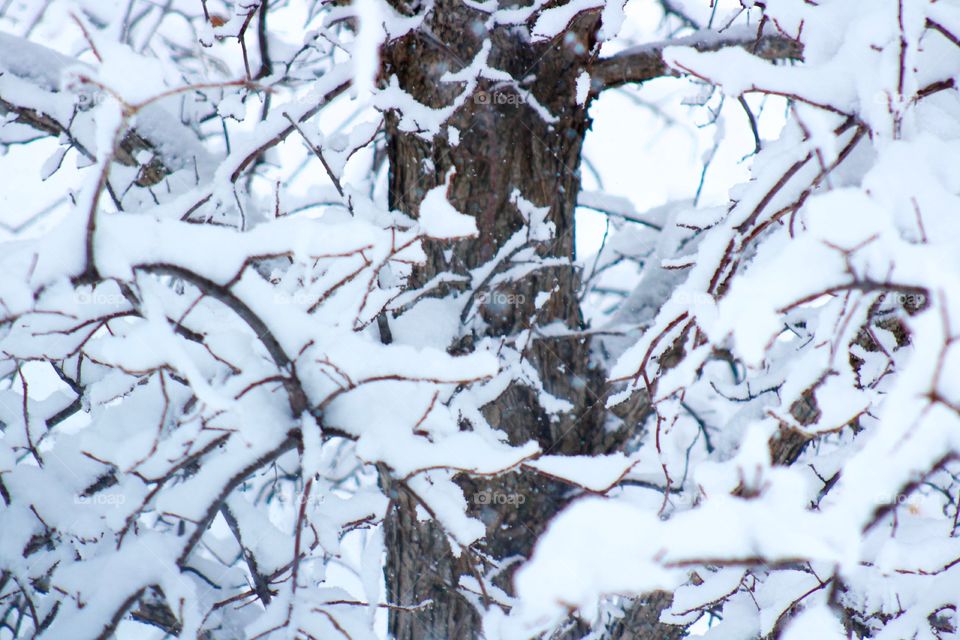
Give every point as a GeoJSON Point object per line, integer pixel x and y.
{"type": "Point", "coordinates": [30, 90]}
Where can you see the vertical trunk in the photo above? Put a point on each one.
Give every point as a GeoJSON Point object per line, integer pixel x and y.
{"type": "Point", "coordinates": [505, 146]}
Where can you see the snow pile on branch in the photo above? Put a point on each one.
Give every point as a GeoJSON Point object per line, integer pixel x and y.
{"type": "Point", "coordinates": [220, 368]}
{"type": "Point", "coordinates": [812, 343]}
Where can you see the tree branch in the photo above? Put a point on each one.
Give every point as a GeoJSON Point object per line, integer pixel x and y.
{"type": "Point", "coordinates": [296, 395]}
{"type": "Point", "coordinates": [645, 62]}
{"type": "Point", "coordinates": [259, 580]}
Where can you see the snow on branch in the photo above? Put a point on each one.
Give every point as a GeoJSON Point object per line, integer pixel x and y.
{"type": "Point", "coordinates": [646, 62]}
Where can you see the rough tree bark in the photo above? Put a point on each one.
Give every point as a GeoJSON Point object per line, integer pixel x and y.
{"type": "Point", "coordinates": [505, 146]}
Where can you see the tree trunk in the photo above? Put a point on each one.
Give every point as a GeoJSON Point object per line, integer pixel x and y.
{"type": "Point", "coordinates": [505, 147]}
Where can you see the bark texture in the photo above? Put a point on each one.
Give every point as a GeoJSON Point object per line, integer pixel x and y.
{"type": "Point", "coordinates": [505, 148]}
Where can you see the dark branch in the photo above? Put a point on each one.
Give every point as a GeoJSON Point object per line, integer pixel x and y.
{"type": "Point", "coordinates": [259, 579]}
{"type": "Point", "coordinates": [295, 392]}
{"type": "Point", "coordinates": [646, 62]}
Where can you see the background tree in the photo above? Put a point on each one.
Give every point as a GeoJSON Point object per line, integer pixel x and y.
{"type": "Point", "coordinates": [302, 347]}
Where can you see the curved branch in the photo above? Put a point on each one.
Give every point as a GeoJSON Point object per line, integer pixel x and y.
{"type": "Point", "coordinates": [295, 392]}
